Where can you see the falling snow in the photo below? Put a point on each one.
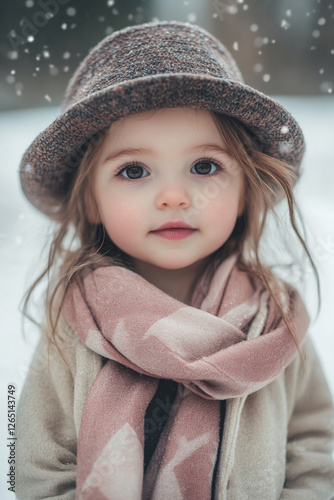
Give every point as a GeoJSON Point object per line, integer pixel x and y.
{"type": "Point", "coordinates": [258, 42]}
{"type": "Point", "coordinates": [258, 68]}
{"type": "Point", "coordinates": [192, 17]}
{"type": "Point", "coordinates": [326, 87]}
{"type": "Point", "coordinates": [71, 11]}
{"type": "Point", "coordinates": [18, 88]}
{"type": "Point", "coordinates": [232, 9]}
{"type": "Point", "coordinates": [12, 55]}
{"type": "Point", "coordinates": [53, 70]}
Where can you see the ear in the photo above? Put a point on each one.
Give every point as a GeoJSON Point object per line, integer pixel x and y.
{"type": "Point", "coordinates": [91, 208]}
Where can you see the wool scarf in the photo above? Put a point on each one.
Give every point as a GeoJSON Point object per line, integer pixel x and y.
{"type": "Point", "coordinates": [229, 341]}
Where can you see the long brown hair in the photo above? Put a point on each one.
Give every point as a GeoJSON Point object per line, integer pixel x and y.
{"type": "Point", "coordinates": [78, 242]}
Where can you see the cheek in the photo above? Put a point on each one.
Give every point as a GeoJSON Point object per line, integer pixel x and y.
{"type": "Point", "coordinates": [223, 210]}
{"type": "Point", "coordinates": [120, 217]}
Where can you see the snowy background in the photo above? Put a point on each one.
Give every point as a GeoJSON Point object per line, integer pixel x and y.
{"type": "Point", "coordinates": [283, 46]}
{"type": "Point", "coordinates": [24, 231]}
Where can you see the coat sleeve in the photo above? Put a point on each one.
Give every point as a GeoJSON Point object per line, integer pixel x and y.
{"type": "Point", "coordinates": [48, 419]}
{"type": "Point", "coordinates": [309, 458]}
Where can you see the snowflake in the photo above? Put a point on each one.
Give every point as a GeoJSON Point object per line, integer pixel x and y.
{"type": "Point", "coordinates": [192, 17]}
{"type": "Point", "coordinates": [71, 11]}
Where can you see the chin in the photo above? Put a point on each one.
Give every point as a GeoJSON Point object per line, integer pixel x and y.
{"type": "Point", "coordinates": [175, 265]}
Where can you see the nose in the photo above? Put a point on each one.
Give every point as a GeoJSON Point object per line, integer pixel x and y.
{"type": "Point", "coordinates": [173, 195]}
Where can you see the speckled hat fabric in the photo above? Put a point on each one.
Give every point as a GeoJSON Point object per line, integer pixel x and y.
{"type": "Point", "coordinates": [139, 68]}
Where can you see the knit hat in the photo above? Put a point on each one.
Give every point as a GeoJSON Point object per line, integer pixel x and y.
{"type": "Point", "coordinates": [140, 68]}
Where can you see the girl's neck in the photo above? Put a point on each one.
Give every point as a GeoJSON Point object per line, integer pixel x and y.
{"type": "Point", "coordinates": [178, 283]}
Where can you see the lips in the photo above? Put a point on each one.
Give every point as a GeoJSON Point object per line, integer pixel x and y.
{"type": "Point", "coordinates": [177, 230]}
{"type": "Point", "coordinates": [174, 225]}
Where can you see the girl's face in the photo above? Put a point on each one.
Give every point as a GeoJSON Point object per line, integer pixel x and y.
{"type": "Point", "coordinates": [164, 166]}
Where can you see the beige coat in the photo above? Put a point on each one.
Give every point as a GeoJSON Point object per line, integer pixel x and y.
{"type": "Point", "coordinates": [277, 442]}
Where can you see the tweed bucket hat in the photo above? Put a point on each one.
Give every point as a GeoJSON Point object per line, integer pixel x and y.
{"type": "Point", "coordinates": [140, 68]}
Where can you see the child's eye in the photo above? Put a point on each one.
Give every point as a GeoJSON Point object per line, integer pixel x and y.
{"type": "Point", "coordinates": [204, 167]}
{"type": "Point", "coordinates": [132, 171]}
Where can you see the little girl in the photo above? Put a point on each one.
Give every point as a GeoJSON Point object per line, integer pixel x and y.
{"type": "Point", "coordinates": [173, 364]}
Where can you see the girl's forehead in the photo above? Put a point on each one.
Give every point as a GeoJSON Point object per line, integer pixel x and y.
{"type": "Point", "coordinates": [167, 133]}
{"type": "Point", "coordinates": [190, 121]}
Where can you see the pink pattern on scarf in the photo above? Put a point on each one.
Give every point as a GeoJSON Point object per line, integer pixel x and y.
{"type": "Point", "coordinates": [206, 347]}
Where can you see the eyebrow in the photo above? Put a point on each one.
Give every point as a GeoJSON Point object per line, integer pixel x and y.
{"type": "Point", "coordinates": [127, 152]}
{"type": "Point", "coordinates": [212, 147]}
{"type": "Point", "coordinates": [137, 151]}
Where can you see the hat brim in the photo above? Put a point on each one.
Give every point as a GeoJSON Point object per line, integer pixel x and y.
{"type": "Point", "coordinates": [53, 157]}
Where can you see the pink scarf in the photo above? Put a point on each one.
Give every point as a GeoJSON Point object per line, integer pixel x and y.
{"type": "Point", "coordinates": [230, 342]}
